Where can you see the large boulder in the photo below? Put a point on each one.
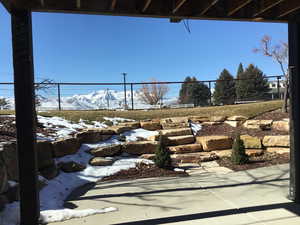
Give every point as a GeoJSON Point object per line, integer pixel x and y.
{"type": "Point", "coordinates": [120, 129]}
{"type": "Point", "coordinates": [209, 123]}
{"type": "Point", "coordinates": [95, 135]}
{"type": "Point", "coordinates": [176, 132]}
{"type": "Point", "coordinates": [233, 123]}
{"type": "Point", "coordinates": [50, 172]}
{"type": "Point", "coordinates": [196, 157]}
{"type": "Point", "coordinates": [100, 161]}
{"type": "Point", "coordinates": [174, 122]}
{"type": "Point", "coordinates": [199, 119]}
{"type": "Point", "coordinates": [281, 125]}
{"type": "Point", "coordinates": [237, 118]}
{"type": "Point", "coordinates": [140, 147]}
{"type": "Point", "coordinates": [277, 150]}
{"type": "Point", "coordinates": [210, 143]}
{"type": "Point", "coordinates": [223, 153]}
{"type": "Point", "coordinates": [254, 152]}
{"type": "Point", "coordinates": [44, 154]}
{"type": "Point", "coordinates": [148, 156]}
{"type": "Point", "coordinates": [150, 125]}
{"type": "Point", "coordinates": [67, 146]}
{"type": "Point", "coordinates": [10, 158]}
{"type": "Point", "coordinates": [132, 125]}
{"type": "Point", "coordinates": [217, 118]}
{"type": "Point", "coordinates": [180, 149]}
{"type": "Point", "coordinates": [109, 150]}
{"type": "Point", "coordinates": [251, 142]}
{"type": "Point", "coordinates": [258, 124]}
{"type": "Point", "coordinates": [180, 140]}
{"type": "Point", "coordinates": [277, 141]}
{"type": "Point", "coordinates": [71, 167]}
{"type": "Point", "coordinates": [167, 126]}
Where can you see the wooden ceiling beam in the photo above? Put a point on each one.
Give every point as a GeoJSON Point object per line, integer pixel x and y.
{"type": "Point", "coordinates": [266, 5]}
{"type": "Point", "coordinates": [236, 5]}
{"type": "Point", "coordinates": [287, 8]}
{"type": "Point", "coordinates": [178, 5]}
{"type": "Point", "coordinates": [78, 4]}
{"type": "Point", "coordinates": [207, 5]}
{"type": "Point", "coordinates": [113, 5]}
{"type": "Point", "coordinates": [146, 6]}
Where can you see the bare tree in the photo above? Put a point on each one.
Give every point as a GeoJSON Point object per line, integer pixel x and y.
{"type": "Point", "coordinates": [152, 93]}
{"type": "Point", "coordinates": [4, 104]}
{"type": "Point", "coordinates": [279, 53]}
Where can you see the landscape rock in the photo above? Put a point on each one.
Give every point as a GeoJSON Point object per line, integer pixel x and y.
{"type": "Point", "coordinates": [210, 143]}
{"type": "Point", "coordinates": [71, 167]}
{"type": "Point", "coordinates": [233, 123]}
{"type": "Point", "coordinates": [281, 125]}
{"type": "Point", "coordinates": [174, 125]}
{"type": "Point", "coordinates": [150, 125]}
{"type": "Point", "coordinates": [237, 118]}
{"type": "Point", "coordinates": [174, 120]}
{"type": "Point", "coordinates": [258, 124]}
{"type": "Point", "coordinates": [10, 158]}
{"type": "Point", "coordinates": [180, 140]}
{"type": "Point", "coordinates": [148, 156]}
{"type": "Point", "coordinates": [100, 161]}
{"type": "Point", "coordinates": [140, 147]}
{"type": "Point", "coordinates": [132, 125]}
{"type": "Point", "coordinates": [153, 138]}
{"type": "Point", "coordinates": [50, 172]}
{"type": "Point", "coordinates": [211, 123]}
{"type": "Point", "coordinates": [277, 141]}
{"type": "Point", "coordinates": [217, 118]}
{"type": "Point", "coordinates": [254, 152]}
{"type": "Point", "coordinates": [199, 119]}
{"type": "Point", "coordinates": [176, 132]}
{"type": "Point", "coordinates": [95, 135]}
{"type": "Point", "coordinates": [67, 146]}
{"type": "Point", "coordinates": [223, 153]}
{"type": "Point", "coordinates": [109, 150]}
{"type": "Point", "coordinates": [44, 151]}
{"type": "Point", "coordinates": [120, 129]}
{"type": "Point", "coordinates": [251, 142]}
{"type": "Point", "coordinates": [185, 148]}
{"type": "Point", "coordinates": [277, 150]}
{"type": "Point", "coordinates": [196, 157]}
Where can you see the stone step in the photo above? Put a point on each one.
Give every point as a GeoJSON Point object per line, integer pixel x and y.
{"type": "Point", "coordinates": [140, 147]}
{"type": "Point", "coordinates": [180, 140]}
{"type": "Point", "coordinates": [210, 143]}
{"type": "Point", "coordinates": [195, 157]}
{"type": "Point", "coordinates": [176, 132]}
{"type": "Point", "coordinates": [227, 153]}
{"type": "Point", "coordinates": [277, 141]}
{"type": "Point", "coordinates": [181, 149]}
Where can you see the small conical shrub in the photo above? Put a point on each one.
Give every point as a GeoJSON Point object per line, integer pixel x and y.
{"type": "Point", "coordinates": [162, 155]}
{"type": "Point", "coordinates": [238, 154]}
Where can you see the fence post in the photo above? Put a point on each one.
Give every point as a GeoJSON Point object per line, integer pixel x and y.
{"type": "Point", "coordinates": [209, 86]}
{"type": "Point", "coordinates": [132, 103]}
{"type": "Point", "coordinates": [278, 87]}
{"type": "Point", "coordinates": [59, 99]}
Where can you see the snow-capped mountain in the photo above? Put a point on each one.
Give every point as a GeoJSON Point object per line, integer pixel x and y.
{"type": "Point", "coordinates": [102, 99]}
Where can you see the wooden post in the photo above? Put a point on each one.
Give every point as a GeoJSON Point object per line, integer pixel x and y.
{"type": "Point", "coordinates": [209, 86]}
{"type": "Point", "coordinates": [132, 103]}
{"type": "Point", "coordinates": [278, 88]}
{"type": "Point", "coordinates": [25, 111]}
{"type": "Point", "coordinates": [294, 71]}
{"type": "Point", "coordinates": [59, 97]}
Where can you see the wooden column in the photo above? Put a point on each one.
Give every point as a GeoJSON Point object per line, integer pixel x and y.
{"type": "Point", "coordinates": [25, 111]}
{"type": "Point", "coordinates": [294, 70]}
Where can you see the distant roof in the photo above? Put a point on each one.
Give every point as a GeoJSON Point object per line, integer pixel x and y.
{"type": "Point", "coordinates": [244, 10]}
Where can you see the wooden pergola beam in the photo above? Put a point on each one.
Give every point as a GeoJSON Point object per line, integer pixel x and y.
{"type": "Point", "coordinates": [237, 5]}
{"type": "Point", "coordinates": [78, 4]}
{"type": "Point", "coordinates": [287, 8]}
{"type": "Point", "coordinates": [146, 6]}
{"type": "Point", "coordinates": [113, 5]}
{"type": "Point", "coordinates": [207, 5]}
{"type": "Point", "coordinates": [266, 5]}
{"type": "Point", "coordinates": [178, 5]}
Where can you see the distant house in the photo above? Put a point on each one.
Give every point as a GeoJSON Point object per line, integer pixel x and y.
{"type": "Point", "coordinates": [274, 89]}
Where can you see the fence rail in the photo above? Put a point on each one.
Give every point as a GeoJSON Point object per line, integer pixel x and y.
{"type": "Point", "coordinates": [79, 96]}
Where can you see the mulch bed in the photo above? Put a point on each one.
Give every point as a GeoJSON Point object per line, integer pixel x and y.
{"type": "Point", "coordinates": [143, 170]}
{"type": "Point", "coordinates": [274, 115]}
{"type": "Point", "coordinates": [257, 161]}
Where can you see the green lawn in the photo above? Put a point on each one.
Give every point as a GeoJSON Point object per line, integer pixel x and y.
{"type": "Point", "coordinates": [248, 110]}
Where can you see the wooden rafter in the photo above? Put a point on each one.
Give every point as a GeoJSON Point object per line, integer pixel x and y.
{"type": "Point", "coordinates": [266, 5]}
{"type": "Point", "coordinates": [178, 5]}
{"type": "Point", "coordinates": [78, 4]}
{"type": "Point", "coordinates": [113, 5]}
{"type": "Point", "coordinates": [287, 8]}
{"type": "Point", "coordinates": [207, 5]}
{"type": "Point", "coordinates": [237, 5]}
{"type": "Point", "coordinates": [146, 6]}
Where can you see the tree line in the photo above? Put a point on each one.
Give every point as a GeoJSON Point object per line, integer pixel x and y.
{"type": "Point", "coordinates": [249, 84]}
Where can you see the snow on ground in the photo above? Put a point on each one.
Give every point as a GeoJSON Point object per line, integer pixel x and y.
{"type": "Point", "coordinates": [53, 195]}
{"type": "Point", "coordinates": [195, 127]}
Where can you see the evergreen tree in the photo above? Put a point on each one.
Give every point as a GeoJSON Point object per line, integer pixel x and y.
{"type": "Point", "coordinates": [239, 75]}
{"type": "Point", "coordinates": [238, 154]}
{"type": "Point", "coordinates": [162, 155]}
{"type": "Point", "coordinates": [254, 84]}
{"type": "Point", "coordinates": [224, 89]}
{"type": "Point", "coordinates": [194, 93]}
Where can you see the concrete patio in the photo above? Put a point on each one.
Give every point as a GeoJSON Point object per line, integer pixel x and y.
{"type": "Point", "coordinates": [256, 196]}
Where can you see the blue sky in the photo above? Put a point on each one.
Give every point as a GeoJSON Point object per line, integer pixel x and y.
{"type": "Point", "coordinates": [85, 48]}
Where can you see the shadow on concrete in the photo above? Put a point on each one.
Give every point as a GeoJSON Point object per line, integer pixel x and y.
{"type": "Point", "coordinates": [292, 207]}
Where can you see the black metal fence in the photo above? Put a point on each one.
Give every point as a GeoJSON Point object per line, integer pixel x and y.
{"type": "Point", "coordinates": [120, 96]}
